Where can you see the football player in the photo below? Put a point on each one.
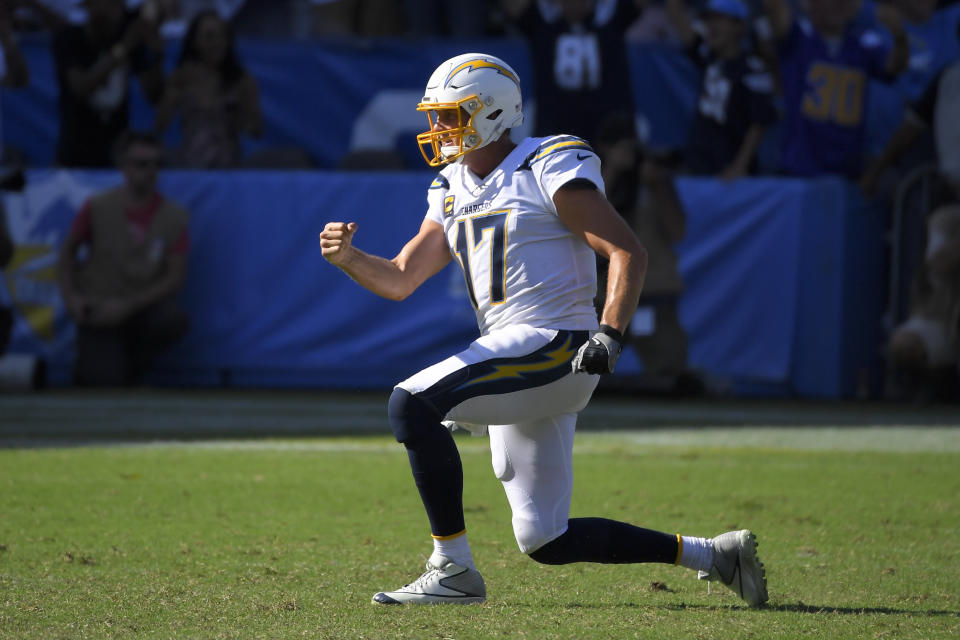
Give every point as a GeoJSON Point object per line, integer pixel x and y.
{"type": "Point", "coordinates": [523, 219]}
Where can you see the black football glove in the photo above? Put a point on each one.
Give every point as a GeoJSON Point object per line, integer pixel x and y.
{"type": "Point", "coordinates": [599, 354]}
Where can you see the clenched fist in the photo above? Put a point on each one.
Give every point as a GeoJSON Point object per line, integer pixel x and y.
{"type": "Point", "coordinates": [336, 239]}
{"type": "Point", "coordinates": [599, 354]}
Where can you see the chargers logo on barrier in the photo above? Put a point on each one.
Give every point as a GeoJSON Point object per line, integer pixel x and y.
{"type": "Point", "coordinates": [31, 279]}
{"type": "Point", "coordinates": [38, 219]}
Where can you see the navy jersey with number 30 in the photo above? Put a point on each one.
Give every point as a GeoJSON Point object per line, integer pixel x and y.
{"type": "Point", "coordinates": [824, 95]}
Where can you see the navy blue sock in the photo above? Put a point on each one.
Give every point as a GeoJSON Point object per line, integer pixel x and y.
{"type": "Point", "coordinates": [608, 542]}
{"type": "Point", "coordinates": [438, 474]}
{"type": "Point", "coordinates": [434, 461]}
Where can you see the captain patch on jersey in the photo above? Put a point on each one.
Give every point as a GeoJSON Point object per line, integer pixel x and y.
{"type": "Point", "coordinates": [511, 212]}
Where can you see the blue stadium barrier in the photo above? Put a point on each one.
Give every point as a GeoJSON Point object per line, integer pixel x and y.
{"type": "Point", "coordinates": [785, 281]}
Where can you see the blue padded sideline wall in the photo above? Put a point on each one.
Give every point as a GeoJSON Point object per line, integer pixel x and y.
{"type": "Point", "coordinates": [784, 281]}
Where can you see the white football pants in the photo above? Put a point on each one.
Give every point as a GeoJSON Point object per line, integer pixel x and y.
{"type": "Point", "coordinates": [519, 382]}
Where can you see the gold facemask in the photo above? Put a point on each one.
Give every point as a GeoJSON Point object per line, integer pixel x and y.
{"type": "Point", "coordinates": [446, 145]}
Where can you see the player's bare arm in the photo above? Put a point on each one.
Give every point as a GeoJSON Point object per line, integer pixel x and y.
{"type": "Point", "coordinates": [424, 255]}
{"type": "Point", "coordinates": [588, 214]}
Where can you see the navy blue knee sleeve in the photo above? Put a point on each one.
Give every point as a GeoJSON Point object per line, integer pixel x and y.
{"type": "Point", "coordinates": [434, 460]}
{"type": "Point", "coordinates": [410, 417]}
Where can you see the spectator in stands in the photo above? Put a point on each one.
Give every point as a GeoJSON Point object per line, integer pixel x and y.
{"type": "Point", "coordinates": [56, 14]}
{"type": "Point", "coordinates": [333, 18]}
{"type": "Point", "coordinates": [122, 291]}
{"type": "Point", "coordinates": [933, 43]}
{"type": "Point", "coordinates": [654, 25]}
{"type": "Point", "coordinates": [826, 61]}
{"type": "Point", "coordinates": [215, 98]}
{"type": "Point", "coordinates": [938, 109]}
{"type": "Point", "coordinates": [95, 62]}
{"type": "Point", "coordinates": [13, 66]}
{"type": "Point", "coordinates": [735, 103]}
{"type": "Point", "coordinates": [51, 15]}
{"type": "Point", "coordinates": [640, 186]}
{"type": "Point", "coordinates": [925, 350]}
{"type": "Point", "coordinates": [932, 38]}
{"type": "Point", "coordinates": [318, 18]}
{"type": "Point", "coordinates": [183, 11]}
{"type": "Point", "coordinates": [14, 71]}
{"type": "Point", "coordinates": [426, 18]}
{"type": "Point", "coordinates": [579, 57]}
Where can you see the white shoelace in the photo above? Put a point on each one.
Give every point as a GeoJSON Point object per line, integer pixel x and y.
{"type": "Point", "coordinates": [422, 580]}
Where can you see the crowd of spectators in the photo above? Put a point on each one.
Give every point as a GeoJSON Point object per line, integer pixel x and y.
{"type": "Point", "coordinates": [789, 74]}
{"type": "Point", "coordinates": [795, 71]}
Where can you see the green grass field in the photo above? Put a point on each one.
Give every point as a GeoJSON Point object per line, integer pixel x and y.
{"type": "Point", "coordinates": [859, 529]}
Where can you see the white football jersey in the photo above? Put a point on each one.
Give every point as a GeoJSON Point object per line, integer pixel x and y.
{"type": "Point", "coordinates": [520, 263]}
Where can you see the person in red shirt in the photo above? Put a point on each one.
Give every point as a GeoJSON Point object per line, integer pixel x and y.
{"type": "Point", "coordinates": [120, 268]}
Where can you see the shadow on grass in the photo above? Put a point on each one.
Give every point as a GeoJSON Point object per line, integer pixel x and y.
{"type": "Point", "coordinates": [812, 608]}
{"type": "Point", "coordinates": [799, 607]}
{"type": "Point", "coordinates": [802, 607]}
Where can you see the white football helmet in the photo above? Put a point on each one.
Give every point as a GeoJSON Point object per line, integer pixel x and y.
{"type": "Point", "coordinates": [483, 91]}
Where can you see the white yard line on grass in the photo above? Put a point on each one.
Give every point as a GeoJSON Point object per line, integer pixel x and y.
{"type": "Point", "coordinates": [903, 439]}
{"type": "Point", "coordinates": [906, 439]}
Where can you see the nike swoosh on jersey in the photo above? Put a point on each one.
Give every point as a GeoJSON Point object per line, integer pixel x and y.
{"type": "Point", "coordinates": [554, 145]}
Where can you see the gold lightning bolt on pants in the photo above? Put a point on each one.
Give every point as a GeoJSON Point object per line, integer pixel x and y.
{"type": "Point", "coordinates": [517, 383]}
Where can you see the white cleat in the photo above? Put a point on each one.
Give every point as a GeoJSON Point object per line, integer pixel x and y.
{"type": "Point", "coordinates": [735, 564]}
{"type": "Point", "coordinates": [442, 583]}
